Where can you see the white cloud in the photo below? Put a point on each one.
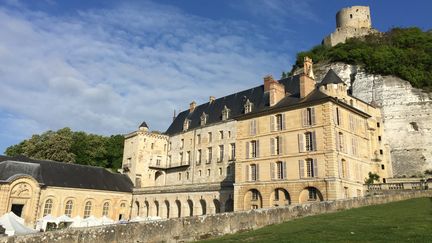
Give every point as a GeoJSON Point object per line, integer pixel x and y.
{"type": "Point", "coordinates": [106, 70]}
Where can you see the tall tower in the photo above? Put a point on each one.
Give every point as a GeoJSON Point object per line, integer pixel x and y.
{"type": "Point", "coordinates": [351, 22]}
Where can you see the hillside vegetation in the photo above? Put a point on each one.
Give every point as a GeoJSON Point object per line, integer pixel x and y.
{"type": "Point", "coordinates": [403, 52]}
{"type": "Point", "coordinates": [68, 146]}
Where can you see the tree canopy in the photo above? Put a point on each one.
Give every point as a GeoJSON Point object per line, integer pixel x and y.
{"type": "Point", "coordinates": [67, 146]}
{"type": "Point", "coordinates": [403, 52]}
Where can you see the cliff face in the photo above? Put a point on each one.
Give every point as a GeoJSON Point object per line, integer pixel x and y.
{"type": "Point", "coordinates": [407, 113]}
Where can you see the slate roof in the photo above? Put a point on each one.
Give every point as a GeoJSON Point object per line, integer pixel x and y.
{"type": "Point", "coordinates": [59, 174]}
{"type": "Point", "coordinates": [331, 78]}
{"type": "Point", "coordinates": [234, 102]}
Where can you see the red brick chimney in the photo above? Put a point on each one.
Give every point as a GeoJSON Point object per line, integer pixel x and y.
{"type": "Point", "coordinates": [275, 89]}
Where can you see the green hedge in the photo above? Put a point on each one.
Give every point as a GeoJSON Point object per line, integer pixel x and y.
{"type": "Point", "coordinates": [403, 52]}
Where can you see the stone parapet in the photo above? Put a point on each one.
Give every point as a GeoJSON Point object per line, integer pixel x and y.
{"type": "Point", "coordinates": [202, 227]}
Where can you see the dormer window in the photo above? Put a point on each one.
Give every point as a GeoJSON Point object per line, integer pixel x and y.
{"type": "Point", "coordinates": [203, 119]}
{"type": "Point", "coordinates": [186, 125]}
{"type": "Point", "coordinates": [225, 113]}
{"type": "Point", "coordinates": [248, 106]}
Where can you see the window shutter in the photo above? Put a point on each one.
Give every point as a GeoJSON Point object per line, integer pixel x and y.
{"type": "Point", "coordinates": [272, 170]}
{"type": "Point", "coordinates": [300, 142]}
{"type": "Point", "coordinates": [340, 168]}
{"type": "Point", "coordinates": [304, 117]}
{"type": "Point", "coordinates": [314, 143]}
{"type": "Point", "coordinates": [347, 170]}
{"type": "Point", "coordinates": [247, 150]}
{"type": "Point", "coordinates": [272, 123]}
{"type": "Point", "coordinates": [335, 116]}
{"type": "Point", "coordinates": [257, 172]}
{"type": "Point", "coordinates": [284, 170]}
{"type": "Point", "coordinates": [344, 144]}
{"type": "Point", "coordinates": [255, 127]}
{"type": "Point", "coordinates": [251, 127]}
{"type": "Point", "coordinates": [312, 116]}
{"type": "Point", "coordinates": [283, 121]}
{"type": "Point", "coordinates": [280, 145]}
{"type": "Point", "coordinates": [272, 146]}
{"type": "Point", "coordinates": [301, 169]}
{"type": "Point", "coordinates": [247, 173]}
{"type": "Point", "coordinates": [337, 142]}
{"type": "Point", "coordinates": [257, 148]}
{"type": "Point", "coordinates": [315, 167]}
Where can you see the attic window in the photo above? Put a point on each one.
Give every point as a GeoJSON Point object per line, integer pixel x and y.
{"type": "Point", "coordinates": [225, 113]}
{"type": "Point", "coordinates": [203, 119]}
{"type": "Point", "coordinates": [186, 125]}
{"type": "Point", "coordinates": [248, 106]}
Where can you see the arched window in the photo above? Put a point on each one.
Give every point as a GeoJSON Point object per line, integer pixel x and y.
{"type": "Point", "coordinates": [68, 208]}
{"type": "Point", "coordinates": [105, 209]}
{"type": "Point", "coordinates": [248, 106]}
{"type": "Point", "coordinates": [87, 209]}
{"type": "Point", "coordinates": [48, 207]}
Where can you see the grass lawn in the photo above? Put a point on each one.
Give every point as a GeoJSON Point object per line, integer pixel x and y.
{"type": "Point", "coordinates": [409, 220]}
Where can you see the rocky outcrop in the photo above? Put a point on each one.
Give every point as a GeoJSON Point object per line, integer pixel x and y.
{"type": "Point", "coordinates": [407, 114]}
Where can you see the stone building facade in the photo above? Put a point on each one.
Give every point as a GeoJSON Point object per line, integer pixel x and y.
{"type": "Point", "coordinates": [283, 142]}
{"type": "Point", "coordinates": [33, 189]}
{"type": "Point", "coordinates": [351, 22]}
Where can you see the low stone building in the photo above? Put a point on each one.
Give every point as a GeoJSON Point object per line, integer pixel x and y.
{"type": "Point", "coordinates": [32, 189]}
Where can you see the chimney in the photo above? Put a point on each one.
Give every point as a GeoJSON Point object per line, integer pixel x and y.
{"type": "Point", "coordinates": [211, 99]}
{"type": "Point", "coordinates": [174, 115]}
{"type": "Point", "coordinates": [192, 106]}
{"type": "Point", "coordinates": [275, 89]}
{"type": "Point", "coordinates": [307, 78]}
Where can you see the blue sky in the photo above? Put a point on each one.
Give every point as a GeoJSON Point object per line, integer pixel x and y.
{"type": "Point", "coordinates": [105, 66]}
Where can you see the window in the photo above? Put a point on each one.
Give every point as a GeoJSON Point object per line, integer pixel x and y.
{"type": "Point", "coordinates": [187, 175]}
{"type": "Point", "coordinates": [87, 209]}
{"type": "Point", "coordinates": [188, 156]}
{"type": "Point", "coordinates": [378, 124]}
{"type": "Point", "coordinates": [340, 142]}
{"type": "Point", "coordinates": [276, 145]}
{"type": "Point", "coordinates": [181, 157]}
{"type": "Point", "coordinates": [225, 113]}
{"type": "Point", "coordinates": [48, 207]}
{"type": "Point", "coordinates": [255, 196]}
{"type": "Point", "coordinates": [68, 208]}
{"type": "Point", "coordinates": [181, 143]}
{"type": "Point", "coordinates": [379, 138]}
{"type": "Point", "coordinates": [208, 172]}
{"type": "Point", "coordinates": [280, 170]}
{"type": "Point", "coordinates": [199, 173]}
{"type": "Point", "coordinates": [229, 134]}
{"type": "Point", "coordinates": [169, 160]}
{"type": "Point", "coordinates": [199, 138]}
{"type": "Point", "coordinates": [276, 195]}
{"type": "Point", "coordinates": [209, 137]}
{"type": "Point", "coordinates": [277, 122]}
{"type": "Point", "coordinates": [354, 146]}
{"type": "Point", "coordinates": [253, 172]}
{"type": "Point", "coordinates": [203, 119]}
{"type": "Point", "coordinates": [253, 127]}
{"type": "Point", "coordinates": [209, 155]}
{"type": "Point", "coordinates": [169, 146]}
{"type": "Point", "coordinates": [186, 125]}
{"type": "Point", "coordinates": [179, 176]}
{"type": "Point", "coordinates": [221, 153]}
{"type": "Point", "coordinates": [344, 169]}
{"type": "Point", "coordinates": [382, 167]}
{"type": "Point", "coordinates": [228, 170]}
{"type": "Point", "coordinates": [138, 182]}
{"type": "Point", "coordinates": [105, 209]}
{"type": "Point", "coordinates": [308, 116]}
{"type": "Point", "coordinates": [233, 151]}
{"type": "Point", "coordinates": [254, 149]}
{"type": "Point", "coordinates": [158, 160]}
{"type": "Point", "coordinates": [221, 135]}
{"type": "Point", "coordinates": [248, 106]}
{"type": "Point", "coordinates": [312, 194]}
{"type": "Point", "coordinates": [220, 171]}
{"type": "Point", "coordinates": [165, 147]}
{"type": "Point", "coordinates": [381, 152]}
{"type": "Point", "coordinates": [199, 159]}
{"type": "Point", "coordinates": [152, 145]}
{"type": "Point", "coordinates": [338, 117]}
{"type": "Point", "coordinates": [308, 168]}
{"type": "Point", "coordinates": [309, 141]}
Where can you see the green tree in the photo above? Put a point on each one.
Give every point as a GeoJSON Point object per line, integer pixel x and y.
{"type": "Point", "coordinates": [372, 178]}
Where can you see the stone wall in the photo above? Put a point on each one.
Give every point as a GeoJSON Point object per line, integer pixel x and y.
{"type": "Point", "coordinates": [407, 113]}
{"type": "Point", "coordinates": [201, 227]}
